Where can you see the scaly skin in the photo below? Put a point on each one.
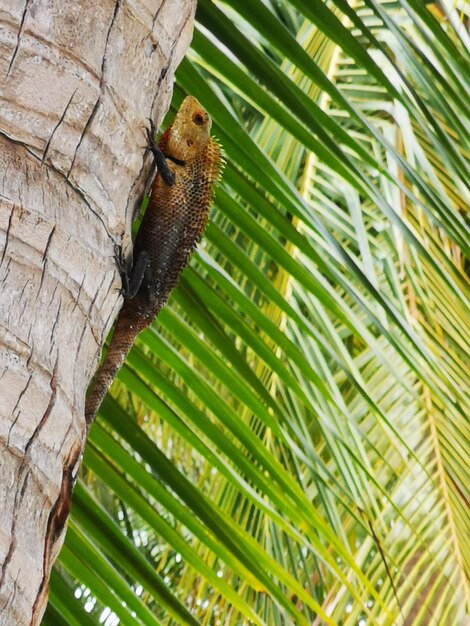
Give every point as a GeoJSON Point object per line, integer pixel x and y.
{"type": "Point", "coordinates": [173, 224]}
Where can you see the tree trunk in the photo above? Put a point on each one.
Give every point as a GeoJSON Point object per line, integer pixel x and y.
{"type": "Point", "coordinates": [77, 82]}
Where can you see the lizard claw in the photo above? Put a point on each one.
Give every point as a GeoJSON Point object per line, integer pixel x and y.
{"type": "Point", "coordinates": [119, 257]}
{"type": "Point", "coordinates": [152, 132]}
{"type": "Point", "coordinates": [122, 269]}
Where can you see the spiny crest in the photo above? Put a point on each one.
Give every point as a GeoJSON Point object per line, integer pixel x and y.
{"type": "Point", "coordinates": [216, 159]}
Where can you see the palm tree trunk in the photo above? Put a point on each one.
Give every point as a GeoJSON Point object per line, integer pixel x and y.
{"type": "Point", "coordinates": [77, 82]}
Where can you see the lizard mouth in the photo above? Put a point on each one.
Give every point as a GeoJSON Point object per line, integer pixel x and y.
{"type": "Point", "coordinates": [173, 160]}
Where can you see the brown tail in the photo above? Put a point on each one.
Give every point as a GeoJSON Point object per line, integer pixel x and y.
{"type": "Point", "coordinates": [123, 338]}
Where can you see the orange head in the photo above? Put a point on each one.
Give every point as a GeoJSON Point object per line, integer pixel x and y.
{"type": "Point", "coordinates": [189, 133]}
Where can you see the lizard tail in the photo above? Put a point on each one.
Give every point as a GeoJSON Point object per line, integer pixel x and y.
{"type": "Point", "coordinates": [126, 330]}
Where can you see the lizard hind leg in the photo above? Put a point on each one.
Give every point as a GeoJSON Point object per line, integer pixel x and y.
{"type": "Point", "coordinates": [131, 282]}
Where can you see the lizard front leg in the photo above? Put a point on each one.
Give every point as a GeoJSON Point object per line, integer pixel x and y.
{"type": "Point", "coordinates": [162, 166]}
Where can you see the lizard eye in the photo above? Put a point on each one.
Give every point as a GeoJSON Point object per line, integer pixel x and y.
{"type": "Point", "coordinates": [198, 119]}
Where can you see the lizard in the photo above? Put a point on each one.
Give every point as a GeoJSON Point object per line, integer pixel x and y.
{"type": "Point", "coordinates": [189, 164]}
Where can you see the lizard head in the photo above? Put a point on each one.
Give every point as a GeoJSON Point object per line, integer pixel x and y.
{"type": "Point", "coordinates": [189, 132]}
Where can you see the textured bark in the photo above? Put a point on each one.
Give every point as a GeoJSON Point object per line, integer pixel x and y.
{"type": "Point", "coordinates": [77, 82]}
